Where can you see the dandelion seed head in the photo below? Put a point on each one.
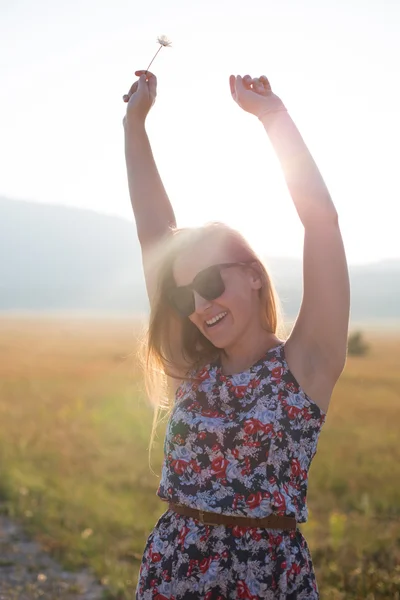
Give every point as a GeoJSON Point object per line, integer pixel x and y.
{"type": "Point", "coordinates": [164, 41]}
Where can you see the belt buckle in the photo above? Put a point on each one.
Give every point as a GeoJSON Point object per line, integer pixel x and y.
{"type": "Point", "coordinates": [202, 520]}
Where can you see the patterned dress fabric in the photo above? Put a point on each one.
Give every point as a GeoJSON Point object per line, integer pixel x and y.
{"type": "Point", "coordinates": [237, 445]}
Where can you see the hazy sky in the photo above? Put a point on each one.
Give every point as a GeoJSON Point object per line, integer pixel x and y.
{"type": "Point", "coordinates": [64, 67]}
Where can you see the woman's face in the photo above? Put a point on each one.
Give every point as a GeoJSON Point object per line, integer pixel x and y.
{"type": "Point", "coordinates": [237, 310]}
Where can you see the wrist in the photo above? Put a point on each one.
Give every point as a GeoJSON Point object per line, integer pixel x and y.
{"type": "Point", "coordinates": [268, 117]}
{"type": "Point", "coordinates": [271, 109]}
{"type": "Point", "coordinates": [133, 124]}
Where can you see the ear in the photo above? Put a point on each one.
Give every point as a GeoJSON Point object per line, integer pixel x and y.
{"type": "Point", "coordinates": [255, 278]}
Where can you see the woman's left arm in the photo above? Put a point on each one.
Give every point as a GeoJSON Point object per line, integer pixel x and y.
{"type": "Point", "coordinates": [321, 328]}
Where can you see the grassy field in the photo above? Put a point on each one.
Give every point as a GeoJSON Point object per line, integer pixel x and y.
{"type": "Point", "coordinates": [74, 469]}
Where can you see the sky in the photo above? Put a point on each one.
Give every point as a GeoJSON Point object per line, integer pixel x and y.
{"type": "Point", "coordinates": [64, 67]}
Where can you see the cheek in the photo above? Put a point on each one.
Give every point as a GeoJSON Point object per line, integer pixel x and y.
{"type": "Point", "coordinates": [237, 302]}
{"type": "Point", "coordinates": [198, 321]}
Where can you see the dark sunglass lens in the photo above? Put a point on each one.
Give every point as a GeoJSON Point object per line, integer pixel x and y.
{"type": "Point", "coordinates": [209, 284]}
{"type": "Point", "coordinates": [182, 300]}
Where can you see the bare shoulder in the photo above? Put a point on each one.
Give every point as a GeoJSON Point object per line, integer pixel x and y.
{"type": "Point", "coordinates": [313, 376]}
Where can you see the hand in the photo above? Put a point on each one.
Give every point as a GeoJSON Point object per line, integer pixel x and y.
{"type": "Point", "coordinates": [141, 97]}
{"type": "Point", "coordinates": [255, 95]}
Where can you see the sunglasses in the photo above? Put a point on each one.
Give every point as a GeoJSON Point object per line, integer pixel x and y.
{"type": "Point", "coordinates": [208, 284]}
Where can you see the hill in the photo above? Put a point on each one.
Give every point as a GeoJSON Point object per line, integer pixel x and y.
{"type": "Point", "coordinates": [60, 259]}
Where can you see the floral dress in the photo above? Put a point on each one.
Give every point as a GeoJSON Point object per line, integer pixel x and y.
{"type": "Point", "coordinates": [237, 445]}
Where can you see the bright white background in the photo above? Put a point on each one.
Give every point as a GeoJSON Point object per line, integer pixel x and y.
{"type": "Point", "coordinates": [64, 67]}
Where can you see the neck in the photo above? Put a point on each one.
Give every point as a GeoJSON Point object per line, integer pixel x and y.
{"type": "Point", "coordinates": [247, 351]}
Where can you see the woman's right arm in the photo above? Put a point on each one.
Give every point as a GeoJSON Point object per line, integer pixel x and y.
{"type": "Point", "coordinates": [153, 212]}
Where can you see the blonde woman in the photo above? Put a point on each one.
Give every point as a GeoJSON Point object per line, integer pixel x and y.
{"type": "Point", "coordinates": [249, 406]}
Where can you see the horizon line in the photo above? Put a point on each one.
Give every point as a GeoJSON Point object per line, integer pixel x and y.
{"type": "Point", "coordinates": [132, 220]}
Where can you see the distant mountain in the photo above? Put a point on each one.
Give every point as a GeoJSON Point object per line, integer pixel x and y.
{"type": "Point", "coordinates": [59, 259]}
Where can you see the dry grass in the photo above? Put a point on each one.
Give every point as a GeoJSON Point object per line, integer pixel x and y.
{"type": "Point", "coordinates": [73, 456]}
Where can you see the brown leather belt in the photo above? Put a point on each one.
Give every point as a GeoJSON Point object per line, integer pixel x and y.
{"type": "Point", "coordinates": [212, 518]}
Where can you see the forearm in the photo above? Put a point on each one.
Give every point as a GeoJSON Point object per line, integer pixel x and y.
{"type": "Point", "coordinates": [306, 185]}
{"type": "Point", "coordinates": [153, 212]}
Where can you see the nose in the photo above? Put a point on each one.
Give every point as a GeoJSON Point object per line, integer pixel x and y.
{"type": "Point", "coordinates": [201, 304]}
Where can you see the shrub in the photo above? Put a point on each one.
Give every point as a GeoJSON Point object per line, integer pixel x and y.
{"type": "Point", "coordinates": [356, 346]}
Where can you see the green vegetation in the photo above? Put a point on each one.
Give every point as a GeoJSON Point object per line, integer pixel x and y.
{"type": "Point", "coordinates": [74, 470]}
{"type": "Point", "coordinates": [356, 345]}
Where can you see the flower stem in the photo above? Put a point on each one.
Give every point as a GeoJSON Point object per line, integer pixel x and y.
{"type": "Point", "coordinates": [153, 58]}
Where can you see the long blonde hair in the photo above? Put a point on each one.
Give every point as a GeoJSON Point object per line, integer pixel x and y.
{"type": "Point", "coordinates": [192, 349]}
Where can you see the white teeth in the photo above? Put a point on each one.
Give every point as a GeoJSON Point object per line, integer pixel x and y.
{"type": "Point", "coordinates": [217, 318]}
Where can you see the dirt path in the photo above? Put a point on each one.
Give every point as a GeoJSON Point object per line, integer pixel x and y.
{"type": "Point", "coordinates": [27, 572]}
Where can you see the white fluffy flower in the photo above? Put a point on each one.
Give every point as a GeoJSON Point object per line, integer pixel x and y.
{"type": "Point", "coordinates": [164, 41]}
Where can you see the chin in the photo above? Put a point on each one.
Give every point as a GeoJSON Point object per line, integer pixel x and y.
{"type": "Point", "coordinates": [222, 342]}
{"type": "Point", "coordinates": [222, 339]}
{"type": "Point", "coordinates": [220, 346]}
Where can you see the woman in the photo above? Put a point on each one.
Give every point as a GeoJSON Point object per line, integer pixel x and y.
{"type": "Point", "coordinates": [249, 406]}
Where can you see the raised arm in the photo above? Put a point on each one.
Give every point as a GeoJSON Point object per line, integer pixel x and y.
{"type": "Point", "coordinates": [321, 329]}
{"type": "Point", "coordinates": [153, 212]}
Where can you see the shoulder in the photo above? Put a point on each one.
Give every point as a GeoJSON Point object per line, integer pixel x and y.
{"type": "Point", "coordinates": [312, 376]}
{"type": "Point", "coordinates": [186, 378]}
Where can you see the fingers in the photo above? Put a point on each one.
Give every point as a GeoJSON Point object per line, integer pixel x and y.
{"type": "Point", "coordinates": [267, 90]}
{"type": "Point", "coordinates": [240, 84]}
{"type": "Point", "coordinates": [152, 83]}
{"type": "Point", "coordinates": [260, 85]}
{"type": "Point", "coordinates": [264, 80]}
{"type": "Point", "coordinates": [143, 76]}
{"type": "Point", "coordinates": [133, 88]}
{"type": "Point", "coordinates": [247, 81]}
{"type": "Point", "coordinates": [232, 85]}
{"type": "Point", "coordinates": [149, 82]}
{"type": "Point", "coordinates": [236, 85]}
{"type": "Point", "coordinates": [142, 81]}
{"type": "Point", "coordinates": [148, 74]}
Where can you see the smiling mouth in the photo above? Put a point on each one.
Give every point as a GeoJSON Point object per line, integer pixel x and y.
{"type": "Point", "coordinates": [215, 320]}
